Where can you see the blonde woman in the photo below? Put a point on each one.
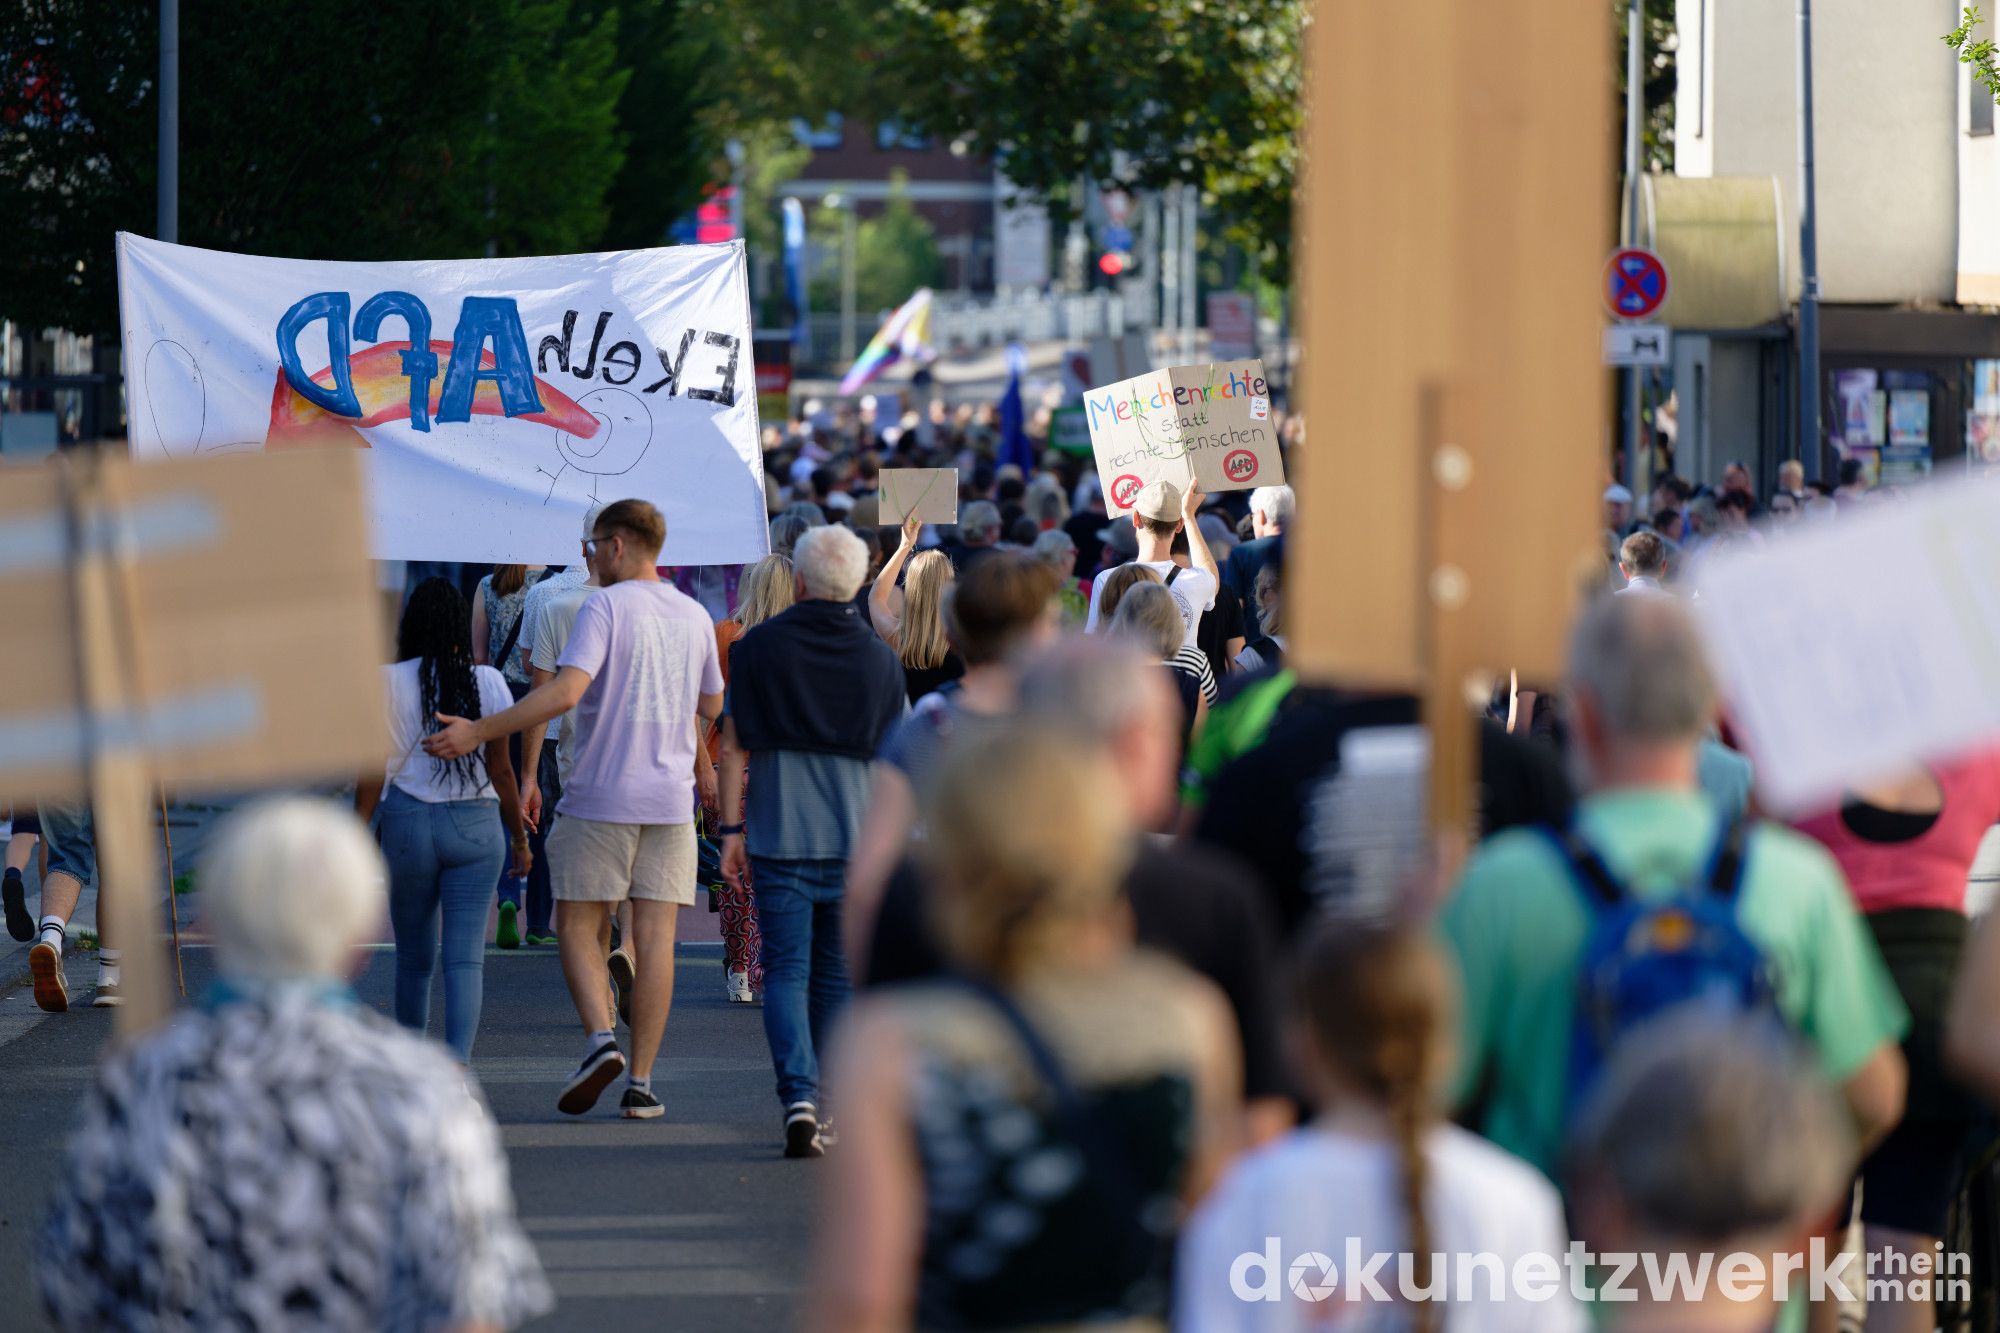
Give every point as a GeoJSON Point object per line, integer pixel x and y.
{"type": "Point", "coordinates": [1019, 1143]}
{"type": "Point", "coordinates": [911, 618]}
{"type": "Point", "coordinates": [764, 590]}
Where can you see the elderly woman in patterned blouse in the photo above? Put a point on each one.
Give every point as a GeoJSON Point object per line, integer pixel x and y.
{"type": "Point", "coordinates": [279, 1156]}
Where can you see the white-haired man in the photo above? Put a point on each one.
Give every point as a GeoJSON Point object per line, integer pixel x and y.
{"type": "Point", "coordinates": [812, 693]}
{"type": "Point", "coordinates": [1271, 510]}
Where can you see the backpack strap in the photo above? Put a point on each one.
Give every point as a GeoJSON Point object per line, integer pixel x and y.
{"type": "Point", "coordinates": [1732, 846]}
{"type": "Point", "coordinates": [1173, 574]}
{"type": "Point", "coordinates": [1590, 869]}
{"type": "Point", "coordinates": [1725, 874]}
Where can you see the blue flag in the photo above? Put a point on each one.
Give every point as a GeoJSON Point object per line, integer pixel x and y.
{"type": "Point", "coordinates": [1014, 446]}
{"type": "Point", "coordinates": [795, 271]}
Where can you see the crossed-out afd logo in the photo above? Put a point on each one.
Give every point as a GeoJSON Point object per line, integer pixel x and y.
{"type": "Point", "coordinates": [1313, 1276]}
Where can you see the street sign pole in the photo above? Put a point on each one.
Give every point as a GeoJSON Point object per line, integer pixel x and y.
{"type": "Point", "coordinates": [1635, 24]}
{"type": "Point", "coordinates": [170, 121]}
{"type": "Point", "coordinates": [1810, 447]}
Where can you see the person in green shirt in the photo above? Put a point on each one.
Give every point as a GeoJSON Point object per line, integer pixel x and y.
{"type": "Point", "coordinates": [1642, 699]}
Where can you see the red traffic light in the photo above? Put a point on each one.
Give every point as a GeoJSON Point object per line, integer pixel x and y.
{"type": "Point", "coordinates": [1111, 263]}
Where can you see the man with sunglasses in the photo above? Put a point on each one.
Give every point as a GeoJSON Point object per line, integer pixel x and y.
{"type": "Point", "coordinates": [641, 670]}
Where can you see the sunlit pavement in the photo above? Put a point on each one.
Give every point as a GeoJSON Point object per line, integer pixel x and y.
{"type": "Point", "coordinates": [693, 1221]}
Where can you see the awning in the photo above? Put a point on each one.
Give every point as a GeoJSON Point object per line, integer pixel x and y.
{"type": "Point", "coordinates": [1722, 239]}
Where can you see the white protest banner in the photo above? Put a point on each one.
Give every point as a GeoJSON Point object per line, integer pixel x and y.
{"type": "Point", "coordinates": [927, 494]}
{"type": "Point", "coordinates": [496, 398]}
{"type": "Point", "coordinates": [1851, 648]}
{"type": "Point", "coordinates": [1210, 423]}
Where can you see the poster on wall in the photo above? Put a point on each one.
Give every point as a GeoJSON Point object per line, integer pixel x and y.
{"type": "Point", "coordinates": [1861, 407]}
{"type": "Point", "coordinates": [496, 398]}
{"type": "Point", "coordinates": [1910, 417]}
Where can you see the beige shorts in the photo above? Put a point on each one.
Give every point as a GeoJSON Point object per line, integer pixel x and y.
{"type": "Point", "coordinates": [592, 862]}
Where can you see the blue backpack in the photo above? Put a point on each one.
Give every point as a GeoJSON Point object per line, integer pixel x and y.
{"type": "Point", "coordinates": [1644, 958]}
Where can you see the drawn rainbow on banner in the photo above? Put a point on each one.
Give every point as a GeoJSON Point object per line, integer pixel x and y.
{"type": "Point", "coordinates": [385, 396]}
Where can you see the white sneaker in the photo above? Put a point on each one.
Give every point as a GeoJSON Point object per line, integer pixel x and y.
{"type": "Point", "coordinates": [739, 988]}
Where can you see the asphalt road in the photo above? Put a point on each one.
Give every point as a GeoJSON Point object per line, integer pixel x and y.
{"type": "Point", "coordinates": [693, 1221]}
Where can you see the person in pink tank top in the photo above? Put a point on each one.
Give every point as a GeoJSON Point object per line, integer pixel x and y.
{"type": "Point", "coordinates": [1906, 845]}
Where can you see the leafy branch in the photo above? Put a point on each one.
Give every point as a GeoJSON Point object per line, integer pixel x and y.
{"type": "Point", "coordinates": [1982, 54]}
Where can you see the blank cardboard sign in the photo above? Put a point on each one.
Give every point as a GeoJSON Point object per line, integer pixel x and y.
{"type": "Point", "coordinates": [1207, 423]}
{"type": "Point", "coordinates": [927, 494]}
{"type": "Point", "coordinates": [1838, 679]}
{"type": "Point", "coordinates": [247, 620]}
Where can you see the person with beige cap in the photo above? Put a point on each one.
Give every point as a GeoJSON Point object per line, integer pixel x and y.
{"type": "Point", "coordinates": [1159, 512]}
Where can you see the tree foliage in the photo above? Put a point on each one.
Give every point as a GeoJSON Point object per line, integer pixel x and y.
{"type": "Point", "coordinates": [1134, 93]}
{"type": "Point", "coordinates": [895, 252]}
{"type": "Point", "coordinates": [1657, 85]}
{"type": "Point", "coordinates": [316, 129]}
{"type": "Point", "coordinates": [1978, 52]}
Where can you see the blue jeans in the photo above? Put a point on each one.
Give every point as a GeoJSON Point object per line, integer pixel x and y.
{"type": "Point", "coordinates": [805, 967]}
{"type": "Point", "coordinates": [72, 841]}
{"type": "Point", "coordinates": [443, 860]}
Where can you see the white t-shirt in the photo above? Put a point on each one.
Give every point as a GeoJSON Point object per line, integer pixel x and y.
{"type": "Point", "coordinates": [1313, 1190]}
{"type": "Point", "coordinates": [538, 596]}
{"type": "Point", "coordinates": [552, 630]}
{"type": "Point", "coordinates": [410, 769]}
{"type": "Point", "coordinates": [1193, 592]}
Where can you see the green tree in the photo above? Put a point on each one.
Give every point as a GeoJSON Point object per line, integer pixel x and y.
{"type": "Point", "coordinates": [895, 252]}
{"type": "Point", "coordinates": [1978, 52]}
{"type": "Point", "coordinates": [674, 144]}
{"type": "Point", "coordinates": [1140, 93]}
{"type": "Point", "coordinates": [770, 157]}
{"type": "Point", "coordinates": [1658, 80]}
{"type": "Point", "coordinates": [396, 129]}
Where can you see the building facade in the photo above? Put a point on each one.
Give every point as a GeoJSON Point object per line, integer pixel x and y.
{"type": "Point", "coordinates": [1908, 195]}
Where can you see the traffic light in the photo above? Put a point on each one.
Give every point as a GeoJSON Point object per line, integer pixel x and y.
{"type": "Point", "coordinates": [1112, 263]}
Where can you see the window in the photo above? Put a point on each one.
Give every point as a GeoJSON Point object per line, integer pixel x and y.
{"type": "Point", "coordinates": [829, 133]}
{"type": "Point", "coordinates": [893, 134]}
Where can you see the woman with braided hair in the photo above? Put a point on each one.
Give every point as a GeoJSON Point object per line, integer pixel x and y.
{"type": "Point", "coordinates": [1379, 1167]}
{"type": "Point", "coordinates": [445, 849]}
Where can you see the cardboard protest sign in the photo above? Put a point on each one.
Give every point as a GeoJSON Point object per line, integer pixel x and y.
{"type": "Point", "coordinates": [1833, 683]}
{"type": "Point", "coordinates": [207, 623]}
{"type": "Point", "coordinates": [495, 399]}
{"type": "Point", "coordinates": [254, 627]}
{"type": "Point", "coordinates": [928, 494]}
{"type": "Point", "coordinates": [1208, 423]}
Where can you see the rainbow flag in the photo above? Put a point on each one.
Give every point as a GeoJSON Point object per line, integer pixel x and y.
{"type": "Point", "coordinates": [904, 336]}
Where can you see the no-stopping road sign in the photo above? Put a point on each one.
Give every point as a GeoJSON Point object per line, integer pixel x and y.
{"type": "Point", "coordinates": [1635, 283]}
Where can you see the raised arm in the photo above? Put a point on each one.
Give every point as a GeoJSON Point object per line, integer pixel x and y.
{"type": "Point", "coordinates": [882, 612]}
{"type": "Point", "coordinates": [1198, 552]}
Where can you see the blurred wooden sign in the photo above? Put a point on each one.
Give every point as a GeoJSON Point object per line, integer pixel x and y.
{"type": "Point", "coordinates": [1457, 208]}
{"type": "Point", "coordinates": [244, 638]}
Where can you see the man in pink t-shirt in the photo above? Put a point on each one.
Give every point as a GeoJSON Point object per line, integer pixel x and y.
{"type": "Point", "coordinates": [641, 671]}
